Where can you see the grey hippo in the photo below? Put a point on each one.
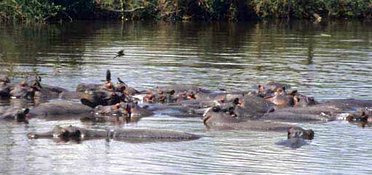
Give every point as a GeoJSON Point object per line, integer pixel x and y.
{"type": "Point", "coordinates": [80, 134]}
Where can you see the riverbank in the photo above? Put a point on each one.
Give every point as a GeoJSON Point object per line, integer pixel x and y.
{"type": "Point", "coordinates": [201, 10]}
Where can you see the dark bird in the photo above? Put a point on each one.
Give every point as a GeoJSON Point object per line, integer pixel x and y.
{"type": "Point", "coordinates": [120, 53]}
{"type": "Point", "coordinates": [108, 76]}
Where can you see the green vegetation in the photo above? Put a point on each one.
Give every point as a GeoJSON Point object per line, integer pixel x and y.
{"type": "Point", "coordinates": [206, 10]}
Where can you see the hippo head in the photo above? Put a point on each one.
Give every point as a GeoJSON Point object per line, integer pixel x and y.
{"type": "Point", "coordinates": [280, 98]}
{"type": "Point", "coordinates": [25, 90]}
{"type": "Point", "coordinates": [113, 113]}
{"type": "Point", "coordinates": [99, 97]}
{"type": "Point", "coordinates": [218, 116]}
{"type": "Point", "coordinates": [22, 115]}
{"type": "Point", "coordinates": [361, 117]}
{"type": "Point", "coordinates": [58, 132]}
{"type": "Point", "coordinates": [303, 101]}
{"type": "Point", "coordinates": [269, 89]}
{"type": "Point", "coordinates": [300, 133]}
{"type": "Point", "coordinates": [4, 90]}
{"type": "Point", "coordinates": [4, 79]}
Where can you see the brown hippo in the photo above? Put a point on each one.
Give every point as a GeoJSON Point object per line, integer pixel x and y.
{"type": "Point", "coordinates": [14, 114]}
{"type": "Point", "coordinates": [100, 97]}
{"type": "Point", "coordinates": [80, 134]}
{"type": "Point", "coordinates": [105, 94]}
{"type": "Point", "coordinates": [267, 90]}
{"type": "Point", "coordinates": [33, 89]}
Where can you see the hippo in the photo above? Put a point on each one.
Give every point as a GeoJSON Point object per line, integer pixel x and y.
{"type": "Point", "coordinates": [240, 110]}
{"type": "Point", "coordinates": [100, 97]}
{"type": "Point", "coordinates": [72, 133]}
{"type": "Point", "coordinates": [60, 109]}
{"type": "Point", "coordinates": [173, 93]}
{"type": "Point", "coordinates": [120, 112]}
{"type": "Point", "coordinates": [33, 89]}
{"type": "Point", "coordinates": [277, 94]}
{"type": "Point", "coordinates": [267, 90]}
{"type": "Point", "coordinates": [105, 94]}
{"type": "Point", "coordinates": [23, 90]}
{"type": "Point", "coordinates": [5, 87]}
{"type": "Point", "coordinates": [322, 112]}
{"type": "Point", "coordinates": [14, 114]}
{"type": "Point", "coordinates": [361, 117]}
{"type": "Point", "coordinates": [296, 137]}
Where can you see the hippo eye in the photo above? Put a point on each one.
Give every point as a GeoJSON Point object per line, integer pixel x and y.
{"type": "Point", "coordinates": [216, 109]}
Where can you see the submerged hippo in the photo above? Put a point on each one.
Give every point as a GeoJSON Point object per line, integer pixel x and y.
{"type": "Point", "coordinates": [14, 114]}
{"type": "Point", "coordinates": [57, 110]}
{"type": "Point", "coordinates": [322, 112]}
{"type": "Point", "coordinates": [297, 137]}
{"type": "Point", "coordinates": [80, 134]}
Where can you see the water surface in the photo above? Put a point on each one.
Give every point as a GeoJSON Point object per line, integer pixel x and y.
{"type": "Point", "coordinates": [327, 61]}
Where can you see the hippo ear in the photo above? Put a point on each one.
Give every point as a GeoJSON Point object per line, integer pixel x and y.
{"type": "Point", "coordinates": [108, 75]}
{"type": "Point", "coordinates": [38, 78]}
{"type": "Point", "coordinates": [172, 92]}
{"type": "Point", "coordinates": [261, 87]}
{"type": "Point", "coordinates": [296, 99]}
{"type": "Point", "coordinates": [236, 101]}
{"type": "Point", "coordinates": [283, 88]}
{"type": "Point", "coordinates": [26, 111]}
{"type": "Point", "coordinates": [77, 134]}
{"type": "Point", "coordinates": [289, 133]}
{"type": "Point", "coordinates": [293, 92]}
{"type": "Point", "coordinates": [363, 113]}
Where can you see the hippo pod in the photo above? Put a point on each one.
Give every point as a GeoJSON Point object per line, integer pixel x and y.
{"type": "Point", "coordinates": [14, 114]}
{"type": "Point", "coordinates": [80, 134]}
{"type": "Point", "coordinates": [120, 112]}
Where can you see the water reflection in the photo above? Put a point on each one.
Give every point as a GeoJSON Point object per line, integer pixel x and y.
{"type": "Point", "coordinates": [331, 60]}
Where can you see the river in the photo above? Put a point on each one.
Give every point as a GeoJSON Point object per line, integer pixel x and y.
{"type": "Point", "coordinates": [326, 61]}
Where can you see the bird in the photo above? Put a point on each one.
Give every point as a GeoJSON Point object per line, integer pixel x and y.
{"type": "Point", "coordinates": [120, 53]}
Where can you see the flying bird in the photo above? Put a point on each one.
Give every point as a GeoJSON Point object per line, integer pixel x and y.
{"type": "Point", "coordinates": [120, 53]}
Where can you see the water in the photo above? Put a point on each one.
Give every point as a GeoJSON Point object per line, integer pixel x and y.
{"type": "Point", "coordinates": [326, 61]}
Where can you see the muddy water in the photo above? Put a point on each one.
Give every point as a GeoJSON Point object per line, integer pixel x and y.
{"type": "Point", "coordinates": [327, 61]}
